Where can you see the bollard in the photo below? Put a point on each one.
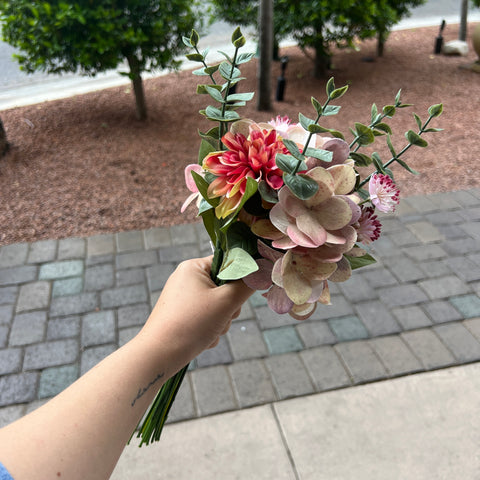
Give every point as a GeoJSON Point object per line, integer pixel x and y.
{"type": "Point", "coordinates": [281, 81]}
{"type": "Point", "coordinates": [439, 39]}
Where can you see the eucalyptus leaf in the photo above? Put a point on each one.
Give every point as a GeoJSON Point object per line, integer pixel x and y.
{"type": "Point", "coordinates": [305, 122]}
{"type": "Point", "coordinates": [389, 111]}
{"type": "Point", "coordinates": [317, 105]}
{"type": "Point", "coordinates": [200, 72]}
{"type": "Point", "coordinates": [374, 112]}
{"type": "Point", "coordinates": [244, 58]}
{"type": "Point", "coordinates": [240, 96]}
{"type": "Point", "coordinates": [229, 59]}
{"type": "Point", "coordinates": [338, 92]}
{"type": "Point", "coordinates": [211, 69]}
{"type": "Point", "coordinates": [194, 38]}
{"type": "Point", "coordinates": [433, 130]}
{"type": "Point", "coordinates": [390, 146]}
{"type": "Point", "coordinates": [331, 110]}
{"type": "Point", "coordinates": [314, 128]}
{"type": "Point", "coordinates": [205, 148]}
{"type": "Point", "coordinates": [293, 149]}
{"type": "Point", "coordinates": [214, 113]}
{"type": "Point", "coordinates": [319, 154]}
{"type": "Point", "coordinates": [236, 35]}
{"type": "Point", "coordinates": [406, 167]}
{"type": "Point", "coordinates": [330, 87]}
{"type": "Point", "coordinates": [301, 186]}
{"type": "Point", "coordinates": [384, 127]}
{"type": "Point", "coordinates": [202, 89]}
{"type": "Point", "coordinates": [397, 97]}
{"type": "Point", "coordinates": [214, 93]}
{"type": "Point", "coordinates": [377, 161]}
{"type": "Point", "coordinates": [415, 139]}
{"type": "Point", "coordinates": [267, 193]}
{"type": "Point", "coordinates": [194, 57]}
{"type": "Point", "coordinates": [186, 41]}
{"type": "Point", "coordinates": [418, 120]}
{"type": "Point", "coordinates": [365, 134]}
{"type": "Point", "coordinates": [202, 186]}
{"type": "Point", "coordinates": [361, 160]}
{"type": "Point", "coordinates": [336, 134]}
{"type": "Point", "coordinates": [358, 262]}
{"type": "Point", "coordinates": [289, 164]}
{"type": "Point", "coordinates": [237, 263]}
{"type": "Point", "coordinates": [239, 42]}
{"type": "Point", "coordinates": [436, 110]}
{"type": "Point", "coordinates": [239, 235]}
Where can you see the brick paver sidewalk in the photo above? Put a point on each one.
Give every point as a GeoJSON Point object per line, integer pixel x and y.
{"type": "Point", "coordinates": [66, 304]}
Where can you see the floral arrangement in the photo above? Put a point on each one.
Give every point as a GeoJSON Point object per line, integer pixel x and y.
{"type": "Point", "coordinates": [283, 203]}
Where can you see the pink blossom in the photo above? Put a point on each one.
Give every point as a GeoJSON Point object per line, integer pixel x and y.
{"type": "Point", "coordinates": [191, 185]}
{"type": "Point", "coordinates": [368, 226]}
{"type": "Point", "coordinates": [384, 194]}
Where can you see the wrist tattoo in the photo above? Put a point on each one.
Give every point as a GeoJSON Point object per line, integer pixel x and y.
{"type": "Point", "coordinates": [141, 391]}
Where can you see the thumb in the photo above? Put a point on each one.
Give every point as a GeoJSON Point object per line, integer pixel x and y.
{"type": "Point", "coordinates": [236, 293]}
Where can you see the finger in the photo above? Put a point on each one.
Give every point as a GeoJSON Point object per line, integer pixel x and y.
{"type": "Point", "coordinates": [215, 343]}
{"type": "Point", "coordinates": [237, 313]}
{"type": "Point", "coordinates": [227, 327]}
{"type": "Point", "coordinates": [238, 290]}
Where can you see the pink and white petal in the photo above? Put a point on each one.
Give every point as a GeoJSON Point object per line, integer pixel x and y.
{"type": "Point", "coordinates": [292, 205]}
{"type": "Point", "coordinates": [284, 243]}
{"type": "Point", "coordinates": [357, 252]}
{"type": "Point", "coordinates": [345, 178]}
{"type": "Point", "coordinates": [333, 213]}
{"type": "Point", "coordinates": [188, 201]}
{"type": "Point", "coordinates": [302, 312]}
{"type": "Point", "coordinates": [356, 210]}
{"type": "Point", "coordinates": [313, 268]}
{"type": "Point", "coordinates": [278, 300]}
{"type": "Point", "coordinates": [189, 181]}
{"type": "Point", "coordinates": [300, 238]}
{"type": "Point", "coordinates": [317, 290]}
{"type": "Point", "coordinates": [309, 226]}
{"type": "Point", "coordinates": [343, 271]}
{"type": "Point", "coordinates": [339, 148]}
{"type": "Point", "coordinates": [277, 278]}
{"type": "Point", "coordinates": [279, 218]}
{"type": "Point", "coordinates": [325, 296]}
{"type": "Point", "coordinates": [296, 285]}
{"type": "Point", "coordinates": [265, 229]}
{"type": "Point", "coordinates": [266, 252]}
{"type": "Point", "coordinates": [262, 278]}
{"type": "Point", "coordinates": [242, 127]}
{"type": "Point", "coordinates": [326, 186]}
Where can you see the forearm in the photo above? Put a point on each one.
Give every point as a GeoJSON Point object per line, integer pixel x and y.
{"type": "Point", "coordinates": [82, 432]}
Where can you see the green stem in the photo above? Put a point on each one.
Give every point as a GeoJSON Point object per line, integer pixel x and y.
{"type": "Point", "coordinates": [206, 66]}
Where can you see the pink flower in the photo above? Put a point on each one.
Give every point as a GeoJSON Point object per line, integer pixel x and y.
{"type": "Point", "coordinates": [282, 125]}
{"type": "Point", "coordinates": [252, 156]}
{"type": "Point", "coordinates": [368, 226]}
{"type": "Point", "coordinates": [191, 185]}
{"type": "Point", "coordinates": [384, 194]}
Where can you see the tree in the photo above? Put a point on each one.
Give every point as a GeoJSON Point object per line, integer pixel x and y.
{"type": "Point", "coordinates": [462, 32]}
{"type": "Point", "coordinates": [90, 36]}
{"type": "Point", "coordinates": [4, 145]}
{"type": "Point", "coordinates": [264, 97]}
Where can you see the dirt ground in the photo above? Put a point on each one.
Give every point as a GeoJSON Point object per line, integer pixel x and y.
{"type": "Point", "coordinates": [85, 165]}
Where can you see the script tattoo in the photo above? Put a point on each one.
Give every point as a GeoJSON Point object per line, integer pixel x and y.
{"type": "Point", "coordinates": [142, 391]}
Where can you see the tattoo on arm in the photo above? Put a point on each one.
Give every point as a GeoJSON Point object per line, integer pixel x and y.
{"type": "Point", "coordinates": [141, 391]}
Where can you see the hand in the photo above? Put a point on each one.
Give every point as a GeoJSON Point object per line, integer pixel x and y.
{"type": "Point", "coordinates": [192, 311]}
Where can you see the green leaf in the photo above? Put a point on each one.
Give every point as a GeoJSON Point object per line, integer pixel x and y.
{"type": "Point", "coordinates": [240, 235]}
{"type": "Point", "coordinates": [317, 105]}
{"type": "Point", "coordinates": [305, 122]}
{"type": "Point", "coordinates": [377, 161]}
{"type": "Point", "coordinates": [236, 35]}
{"type": "Point", "coordinates": [433, 130]}
{"type": "Point", "coordinates": [240, 96]}
{"type": "Point", "coordinates": [214, 93]}
{"type": "Point", "coordinates": [330, 87]}
{"type": "Point", "coordinates": [389, 111]}
{"type": "Point", "coordinates": [397, 98]}
{"type": "Point", "coordinates": [194, 57]}
{"type": "Point", "coordinates": [214, 113]}
{"type": "Point", "coordinates": [390, 146]}
{"type": "Point", "coordinates": [211, 70]}
{"type": "Point", "coordinates": [202, 89]}
{"type": "Point", "coordinates": [357, 262]}
{"type": "Point", "coordinates": [251, 188]}
{"type": "Point", "coordinates": [301, 186]}
{"type": "Point", "coordinates": [406, 167]}
{"type": "Point", "coordinates": [338, 92]}
{"type": "Point", "coordinates": [436, 110]}
{"type": "Point", "coordinates": [418, 120]}
{"type": "Point", "coordinates": [200, 72]}
{"type": "Point", "coordinates": [361, 160]}
{"type": "Point", "coordinates": [415, 139]}
{"type": "Point", "coordinates": [237, 263]}
{"type": "Point", "coordinates": [229, 59]}
{"type": "Point", "coordinates": [293, 149]}
{"type": "Point", "coordinates": [244, 58]}
{"type": "Point", "coordinates": [231, 116]}
{"type": "Point", "coordinates": [331, 110]}
{"type": "Point", "coordinates": [288, 164]}
{"type": "Point", "coordinates": [384, 127]}
{"type": "Point", "coordinates": [226, 71]}
{"type": "Point", "coordinates": [319, 154]}
{"type": "Point", "coordinates": [365, 134]}
{"type": "Point", "coordinates": [374, 113]}
{"type": "Point", "coordinates": [187, 42]}
{"type": "Point", "coordinates": [209, 219]}
{"type": "Point", "coordinates": [267, 193]}
{"type": "Point", "coordinates": [194, 38]}
{"type": "Point", "coordinates": [202, 186]}
{"type": "Point", "coordinates": [336, 134]}
{"type": "Point", "coordinates": [205, 148]}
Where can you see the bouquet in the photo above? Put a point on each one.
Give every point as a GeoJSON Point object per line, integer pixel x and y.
{"type": "Point", "coordinates": [284, 203]}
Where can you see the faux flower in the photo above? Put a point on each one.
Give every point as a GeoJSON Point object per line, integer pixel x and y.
{"type": "Point", "coordinates": [384, 194]}
{"type": "Point", "coordinates": [368, 226]}
{"type": "Point", "coordinates": [191, 185]}
{"type": "Point", "coordinates": [251, 155]}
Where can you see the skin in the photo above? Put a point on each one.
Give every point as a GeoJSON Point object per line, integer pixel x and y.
{"type": "Point", "coordinates": [81, 432]}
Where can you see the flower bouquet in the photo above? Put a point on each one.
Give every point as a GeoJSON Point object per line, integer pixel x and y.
{"type": "Point", "coordinates": [283, 203]}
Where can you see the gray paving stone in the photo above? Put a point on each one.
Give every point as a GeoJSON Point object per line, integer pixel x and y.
{"type": "Point", "coordinates": [6, 314]}
{"type": "Point", "coordinates": [246, 313]}
{"type": "Point", "coordinates": [98, 328]}
{"type": "Point", "coordinates": [70, 248]}
{"type": "Point", "coordinates": [404, 269]}
{"type": "Point", "coordinates": [61, 269]}
{"type": "Point", "coordinates": [395, 355]}
{"type": "Point", "coordinates": [473, 325]}
{"type": "Point", "coordinates": [99, 277]}
{"type": "Point", "coordinates": [18, 388]}
{"type": "Point", "coordinates": [451, 232]}
{"type": "Point", "coordinates": [132, 315]}
{"type": "Point", "coordinates": [459, 341]}
{"type": "Point", "coordinates": [11, 360]}
{"type": "Point", "coordinates": [442, 311]}
{"type": "Point", "coordinates": [404, 209]}
{"type": "Point", "coordinates": [131, 276]}
{"type": "Point", "coordinates": [421, 203]}
{"type": "Point", "coordinates": [402, 295]}
{"type": "Point", "coordinates": [411, 318]}
{"type": "Point", "coordinates": [340, 307]}
{"type": "Point", "coordinates": [325, 368]}
{"type": "Point", "coordinates": [33, 296]}
{"type": "Point", "coordinates": [361, 361]}
{"type": "Point", "coordinates": [464, 268]}
{"type": "Point", "coordinates": [380, 277]}
{"type": "Point", "coordinates": [10, 414]}
{"type": "Point", "coordinates": [472, 213]}
{"type": "Point", "coordinates": [289, 376]}
{"type": "Point", "coordinates": [13, 255]}
{"type": "Point", "coordinates": [425, 232]}
{"type": "Point", "coordinates": [137, 259]}
{"type": "Point", "coordinates": [157, 237]}
{"type": "Point", "coordinates": [257, 300]}
{"type": "Point", "coordinates": [99, 260]}
{"type": "Point", "coordinates": [282, 340]}
{"type": "Point", "coordinates": [184, 407]}
{"type": "Point", "coordinates": [129, 241]}
{"type": "Point", "coordinates": [183, 234]}
{"type": "Point", "coordinates": [42, 251]}
{"type": "Point", "coordinates": [444, 287]}
{"type": "Point", "coordinates": [28, 328]}
{"type": "Point", "coordinates": [376, 318]}
{"type": "Point", "coordinates": [426, 252]}
{"type": "Point", "coordinates": [17, 275]}
{"type": "Point", "coordinates": [404, 238]}
{"type": "Point", "coordinates": [435, 268]}
{"type": "Point", "coordinates": [384, 247]}
{"type": "Point", "coordinates": [100, 245]}
{"type": "Point", "coordinates": [246, 340]}
{"type": "Point", "coordinates": [73, 305]}
{"type": "Point", "coordinates": [127, 334]}
{"type": "Point", "coordinates": [357, 290]}
{"type": "Point", "coordinates": [315, 333]}
{"type": "Point", "coordinates": [348, 328]}
{"type": "Point", "coordinates": [213, 391]}
{"type": "Point", "coordinates": [4, 331]}
{"type": "Point", "coordinates": [269, 319]}
{"type": "Point", "coordinates": [157, 275]}
{"type": "Point", "coordinates": [444, 201]}
{"type": "Point", "coordinates": [56, 379]}
{"type": "Point", "coordinates": [66, 327]}
{"type": "Point", "coordinates": [93, 355]}
{"type": "Point", "coordinates": [460, 246]}
{"type": "Point", "coordinates": [472, 229]}
{"type": "Point", "coordinates": [445, 218]}
{"type": "Point", "coordinates": [67, 286]}
{"type": "Point", "coordinates": [8, 295]}
{"type": "Point", "coordinates": [50, 354]}
{"type": "Point", "coordinates": [427, 347]}
{"type": "Point", "coordinates": [467, 305]}
{"type": "Point", "coordinates": [251, 383]}
{"type": "Point", "coordinates": [215, 356]}
{"type": "Point", "coordinates": [178, 253]}
{"type": "Point", "coordinates": [31, 406]}
{"type": "Point", "coordinates": [464, 198]}
{"type": "Point", "coordinates": [122, 296]}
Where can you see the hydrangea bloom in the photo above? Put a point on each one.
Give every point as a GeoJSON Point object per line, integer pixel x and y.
{"type": "Point", "coordinates": [384, 194]}
{"type": "Point", "coordinates": [249, 153]}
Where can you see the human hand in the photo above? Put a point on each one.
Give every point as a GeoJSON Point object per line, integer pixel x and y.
{"type": "Point", "coordinates": [192, 311]}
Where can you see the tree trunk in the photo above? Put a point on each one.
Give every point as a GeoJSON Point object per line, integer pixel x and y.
{"type": "Point", "coordinates": [380, 43]}
{"type": "Point", "coordinates": [462, 33]}
{"type": "Point", "coordinates": [265, 22]}
{"type": "Point", "coordinates": [322, 61]}
{"type": "Point", "coordinates": [4, 145]}
{"type": "Point", "coordinates": [137, 84]}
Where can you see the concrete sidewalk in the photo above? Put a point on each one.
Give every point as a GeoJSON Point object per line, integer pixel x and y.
{"type": "Point", "coordinates": [421, 427]}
